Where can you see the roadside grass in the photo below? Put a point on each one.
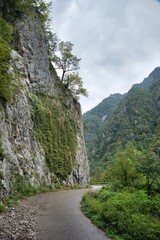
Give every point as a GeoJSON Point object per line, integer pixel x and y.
{"type": "Point", "coordinates": [127, 215]}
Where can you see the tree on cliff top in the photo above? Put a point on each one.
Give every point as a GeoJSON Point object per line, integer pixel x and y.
{"type": "Point", "coordinates": [69, 64]}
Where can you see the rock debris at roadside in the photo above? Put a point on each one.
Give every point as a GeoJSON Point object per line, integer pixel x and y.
{"type": "Point", "coordinates": [19, 222]}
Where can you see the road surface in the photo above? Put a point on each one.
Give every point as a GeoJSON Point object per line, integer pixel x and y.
{"type": "Point", "coordinates": [59, 218]}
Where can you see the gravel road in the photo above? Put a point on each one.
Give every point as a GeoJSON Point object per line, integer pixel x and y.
{"type": "Point", "coordinates": [59, 218]}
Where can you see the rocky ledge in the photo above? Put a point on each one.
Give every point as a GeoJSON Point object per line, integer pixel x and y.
{"type": "Point", "coordinates": [19, 222]}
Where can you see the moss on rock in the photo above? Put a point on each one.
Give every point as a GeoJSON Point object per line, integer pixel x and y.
{"type": "Point", "coordinates": [55, 129]}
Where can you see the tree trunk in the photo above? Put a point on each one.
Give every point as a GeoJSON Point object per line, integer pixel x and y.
{"type": "Point", "coordinates": [62, 78]}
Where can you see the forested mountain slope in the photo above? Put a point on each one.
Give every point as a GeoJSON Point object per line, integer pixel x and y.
{"type": "Point", "coordinates": [136, 119]}
{"type": "Point", "coordinates": [97, 117]}
{"type": "Point", "coordinates": [125, 154]}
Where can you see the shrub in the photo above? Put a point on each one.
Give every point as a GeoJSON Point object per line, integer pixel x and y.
{"type": "Point", "coordinates": [105, 194]}
{"type": "Point", "coordinates": [133, 215]}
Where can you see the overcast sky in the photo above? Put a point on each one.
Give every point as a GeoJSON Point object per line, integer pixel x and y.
{"type": "Point", "coordinates": [117, 40]}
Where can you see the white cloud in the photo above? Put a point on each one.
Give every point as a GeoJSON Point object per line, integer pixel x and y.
{"type": "Point", "coordinates": [118, 42]}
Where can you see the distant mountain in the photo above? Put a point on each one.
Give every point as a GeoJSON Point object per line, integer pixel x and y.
{"type": "Point", "coordinates": [133, 117]}
{"type": "Point", "coordinates": [147, 82]}
{"type": "Point", "coordinates": [95, 119]}
{"type": "Point", "coordinates": [104, 109]}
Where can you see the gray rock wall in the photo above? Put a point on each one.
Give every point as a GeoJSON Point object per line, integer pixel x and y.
{"type": "Point", "coordinates": [24, 157]}
{"type": "Point", "coordinates": [80, 173]}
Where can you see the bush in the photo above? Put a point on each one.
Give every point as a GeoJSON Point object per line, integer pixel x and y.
{"type": "Point", "coordinates": [140, 227]}
{"type": "Point", "coordinates": [129, 214]}
{"type": "Point", "coordinates": [133, 215]}
{"type": "Point", "coordinates": [93, 208]}
{"type": "Point", "coordinates": [105, 194]}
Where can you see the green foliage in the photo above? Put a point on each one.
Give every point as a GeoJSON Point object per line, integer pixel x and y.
{"type": "Point", "coordinates": [155, 90]}
{"type": "Point", "coordinates": [123, 170]}
{"type": "Point", "coordinates": [74, 83]}
{"type": "Point", "coordinates": [136, 120]}
{"type": "Point", "coordinates": [52, 43]}
{"type": "Point", "coordinates": [43, 9]}
{"type": "Point", "coordinates": [5, 31]}
{"type": "Point", "coordinates": [150, 167]}
{"type": "Point", "coordinates": [92, 209]}
{"type": "Point", "coordinates": [130, 214]}
{"type": "Point", "coordinates": [94, 121]}
{"type": "Point", "coordinates": [127, 214]}
{"type": "Point", "coordinates": [2, 208]}
{"type": "Point", "coordinates": [133, 121]}
{"type": "Point", "coordinates": [24, 189]}
{"type": "Point", "coordinates": [129, 142]}
{"type": "Point", "coordinates": [107, 106]}
{"type": "Point", "coordinates": [56, 131]}
{"type": "Point", "coordinates": [20, 188]}
{"type": "Point", "coordinates": [68, 64]}
{"type": "Point", "coordinates": [6, 85]}
{"type": "Point", "coordinates": [134, 168]}
{"type": "Point", "coordinates": [123, 210]}
{"type": "Point", "coordinates": [11, 10]}
{"type": "Point", "coordinates": [92, 124]}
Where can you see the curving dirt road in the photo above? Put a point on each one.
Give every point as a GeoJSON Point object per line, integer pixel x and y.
{"type": "Point", "coordinates": [59, 218]}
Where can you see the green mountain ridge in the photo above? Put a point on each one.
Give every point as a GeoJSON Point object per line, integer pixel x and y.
{"type": "Point", "coordinates": [106, 107]}
{"type": "Point", "coordinates": [147, 82]}
{"type": "Point", "coordinates": [134, 118]}
{"type": "Point", "coordinates": [95, 119]}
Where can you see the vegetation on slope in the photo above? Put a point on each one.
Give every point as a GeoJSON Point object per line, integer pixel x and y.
{"type": "Point", "coordinates": [12, 10]}
{"type": "Point", "coordinates": [136, 120]}
{"type": "Point", "coordinates": [55, 128]}
{"type": "Point", "coordinates": [6, 78]}
{"type": "Point", "coordinates": [94, 120]}
{"type": "Point", "coordinates": [129, 206]}
{"type": "Point", "coordinates": [107, 106]}
{"type": "Point", "coordinates": [133, 121]}
{"type": "Point", "coordinates": [127, 147]}
{"type": "Point", "coordinates": [125, 215]}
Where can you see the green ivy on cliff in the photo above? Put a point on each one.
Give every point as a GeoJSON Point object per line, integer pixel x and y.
{"type": "Point", "coordinates": [5, 77]}
{"type": "Point", "coordinates": [11, 10]}
{"type": "Point", "coordinates": [55, 129]}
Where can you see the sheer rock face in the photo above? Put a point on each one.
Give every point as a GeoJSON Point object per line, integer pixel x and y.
{"type": "Point", "coordinates": [32, 45]}
{"type": "Point", "coordinates": [80, 173]}
{"type": "Point", "coordinates": [23, 156]}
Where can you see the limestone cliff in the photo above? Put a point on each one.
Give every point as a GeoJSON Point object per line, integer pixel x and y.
{"type": "Point", "coordinates": [41, 131]}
